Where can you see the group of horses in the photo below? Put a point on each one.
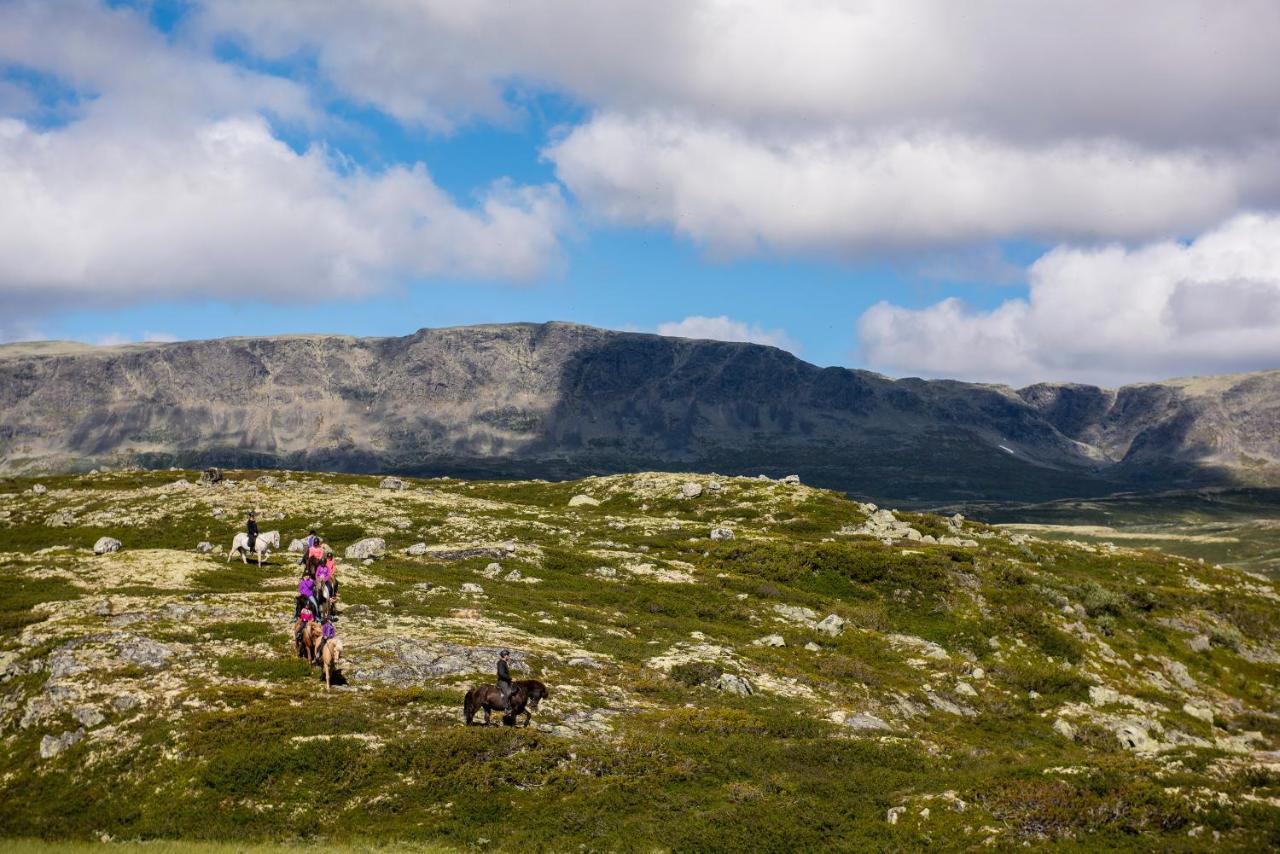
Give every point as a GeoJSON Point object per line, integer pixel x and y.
{"type": "Point", "coordinates": [526, 694]}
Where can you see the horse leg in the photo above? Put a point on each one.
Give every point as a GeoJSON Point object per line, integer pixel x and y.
{"type": "Point", "coordinates": [486, 715]}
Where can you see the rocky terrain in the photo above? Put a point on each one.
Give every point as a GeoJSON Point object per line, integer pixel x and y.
{"type": "Point", "coordinates": [735, 663]}
{"type": "Point", "coordinates": [558, 401]}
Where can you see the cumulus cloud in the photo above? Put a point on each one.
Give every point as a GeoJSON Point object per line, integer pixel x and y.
{"type": "Point", "coordinates": [846, 193]}
{"type": "Point", "coordinates": [170, 181]}
{"type": "Point", "coordinates": [1156, 71]}
{"type": "Point", "coordinates": [225, 209]}
{"type": "Point", "coordinates": [724, 328]}
{"type": "Point", "coordinates": [1108, 315]}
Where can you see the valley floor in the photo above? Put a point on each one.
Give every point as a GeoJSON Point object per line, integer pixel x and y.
{"type": "Point", "coordinates": [734, 663]}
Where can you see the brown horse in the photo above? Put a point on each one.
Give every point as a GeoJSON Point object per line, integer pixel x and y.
{"type": "Point", "coordinates": [526, 694]}
{"type": "Point", "coordinates": [306, 637]}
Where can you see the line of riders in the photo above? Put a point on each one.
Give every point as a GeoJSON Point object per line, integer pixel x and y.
{"type": "Point", "coordinates": [315, 637]}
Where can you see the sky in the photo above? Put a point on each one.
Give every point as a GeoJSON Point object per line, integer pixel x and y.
{"type": "Point", "coordinates": [1067, 190]}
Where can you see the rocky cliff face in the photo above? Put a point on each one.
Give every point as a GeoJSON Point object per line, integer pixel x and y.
{"type": "Point", "coordinates": [558, 400]}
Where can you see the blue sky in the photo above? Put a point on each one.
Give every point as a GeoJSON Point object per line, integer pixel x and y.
{"type": "Point", "coordinates": [189, 169]}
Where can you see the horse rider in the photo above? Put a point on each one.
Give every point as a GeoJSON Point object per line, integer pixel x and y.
{"type": "Point", "coordinates": [327, 578]}
{"type": "Point", "coordinates": [306, 596]}
{"type": "Point", "coordinates": [251, 528]}
{"type": "Point", "coordinates": [312, 539]}
{"type": "Point", "coordinates": [327, 631]}
{"type": "Point", "coordinates": [505, 687]}
{"type": "Point", "coordinates": [305, 615]}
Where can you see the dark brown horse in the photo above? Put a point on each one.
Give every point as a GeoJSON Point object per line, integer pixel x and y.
{"type": "Point", "coordinates": [526, 694]}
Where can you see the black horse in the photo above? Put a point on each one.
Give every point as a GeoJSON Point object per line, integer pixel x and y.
{"type": "Point", "coordinates": [526, 694]}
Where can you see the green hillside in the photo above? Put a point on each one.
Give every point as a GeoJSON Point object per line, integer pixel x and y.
{"type": "Point", "coordinates": [831, 675]}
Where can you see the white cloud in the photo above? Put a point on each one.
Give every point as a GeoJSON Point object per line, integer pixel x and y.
{"type": "Point", "coordinates": [724, 328]}
{"type": "Point", "coordinates": [169, 181]}
{"type": "Point", "coordinates": [225, 209]}
{"type": "Point", "coordinates": [840, 193]}
{"type": "Point", "coordinates": [1108, 315]}
{"type": "Point", "coordinates": [1155, 71]}
{"type": "Point", "coordinates": [841, 126]}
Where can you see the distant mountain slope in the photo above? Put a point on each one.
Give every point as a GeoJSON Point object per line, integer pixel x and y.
{"type": "Point", "coordinates": [558, 400]}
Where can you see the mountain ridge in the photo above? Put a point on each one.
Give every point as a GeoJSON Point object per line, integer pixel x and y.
{"type": "Point", "coordinates": [563, 400]}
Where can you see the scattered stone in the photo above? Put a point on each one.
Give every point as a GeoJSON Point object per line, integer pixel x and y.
{"type": "Point", "coordinates": [863, 722]}
{"type": "Point", "coordinates": [812, 647]}
{"type": "Point", "coordinates": [39, 488]}
{"type": "Point", "coordinates": [691, 490]}
{"type": "Point", "coordinates": [583, 501]}
{"type": "Point", "coordinates": [102, 608]}
{"type": "Point", "coordinates": [894, 814]}
{"type": "Point", "coordinates": [88, 716]}
{"type": "Point", "coordinates": [106, 545]}
{"type": "Point", "coordinates": [770, 640]}
{"type": "Point", "coordinates": [367, 562]}
{"type": "Point", "coordinates": [493, 570]}
{"type": "Point", "coordinates": [145, 652]}
{"type": "Point", "coordinates": [714, 486]}
{"type": "Point", "coordinates": [51, 746]}
{"type": "Point", "coordinates": [1199, 643]}
{"type": "Point", "coordinates": [400, 523]}
{"type": "Point", "coordinates": [1064, 729]}
{"type": "Point", "coordinates": [1203, 713]}
{"type": "Point", "coordinates": [125, 702]}
{"type": "Point", "coordinates": [472, 588]}
{"type": "Point", "coordinates": [830, 625]}
{"type": "Point", "coordinates": [791, 478]}
{"type": "Point", "coordinates": [942, 704]}
{"type": "Point", "coordinates": [416, 550]}
{"type": "Point", "coordinates": [369, 547]}
{"type": "Point", "coordinates": [514, 575]}
{"type": "Point", "coordinates": [605, 572]}
{"type": "Point", "coordinates": [978, 673]}
{"type": "Point", "coordinates": [210, 477]}
{"type": "Point", "coordinates": [204, 547]}
{"type": "Point", "coordinates": [796, 613]}
{"type": "Point", "coordinates": [721, 534]}
{"type": "Point", "coordinates": [733, 684]}
{"type": "Point", "coordinates": [964, 689]}
{"type": "Point", "coordinates": [61, 519]}
{"type": "Point", "coordinates": [391, 483]}
{"type": "Point", "coordinates": [297, 546]}
{"type": "Point", "coordinates": [1177, 671]}
{"type": "Point", "coordinates": [1132, 735]}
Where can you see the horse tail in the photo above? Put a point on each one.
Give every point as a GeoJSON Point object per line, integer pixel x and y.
{"type": "Point", "coordinates": [469, 706]}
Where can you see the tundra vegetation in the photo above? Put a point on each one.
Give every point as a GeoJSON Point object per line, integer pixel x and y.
{"type": "Point", "coordinates": [823, 673]}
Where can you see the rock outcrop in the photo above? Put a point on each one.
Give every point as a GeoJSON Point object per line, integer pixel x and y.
{"type": "Point", "coordinates": [560, 400]}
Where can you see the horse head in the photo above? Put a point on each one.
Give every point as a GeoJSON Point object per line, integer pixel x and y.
{"type": "Point", "coordinates": [271, 538]}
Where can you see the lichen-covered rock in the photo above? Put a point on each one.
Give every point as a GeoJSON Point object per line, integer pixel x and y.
{"type": "Point", "coordinates": [830, 625]}
{"type": "Point", "coordinates": [297, 546]}
{"type": "Point", "coordinates": [691, 490]}
{"type": "Point", "coordinates": [416, 550]}
{"type": "Point", "coordinates": [204, 547]}
{"type": "Point", "coordinates": [583, 501]}
{"type": "Point", "coordinates": [862, 722]}
{"type": "Point", "coordinates": [60, 519]}
{"type": "Point", "coordinates": [51, 746]}
{"type": "Point", "coordinates": [721, 534]}
{"type": "Point", "coordinates": [770, 640]}
{"type": "Point", "coordinates": [1065, 729]}
{"type": "Point", "coordinates": [791, 478]}
{"type": "Point", "coordinates": [39, 489]}
{"type": "Point", "coordinates": [366, 549]}
{"type": "Point", "coordinates": [210, 477]}
{"type": "Point", "coordinates": [796, 613]}
{"type": "Point", "coordinates": [106, 545]}
{"type": "Point", "coordinates": [733, 684]}
{"type": "Point", "coordinates": [391, 483]}
{"type": "Point", "coordinates": [471, 588]}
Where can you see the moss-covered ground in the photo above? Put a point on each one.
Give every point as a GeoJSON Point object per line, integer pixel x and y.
{"type": "Point", "coordinates": [1004, 691]}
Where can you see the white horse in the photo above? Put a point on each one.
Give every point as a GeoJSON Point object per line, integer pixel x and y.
{"type": "Point", "coordinates": [241, 545]}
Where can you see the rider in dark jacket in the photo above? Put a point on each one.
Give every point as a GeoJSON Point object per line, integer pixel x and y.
{"type": "Point", "coordinates": [504, 681]}
{"type": "Point", "coordinates": [252, 529]}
